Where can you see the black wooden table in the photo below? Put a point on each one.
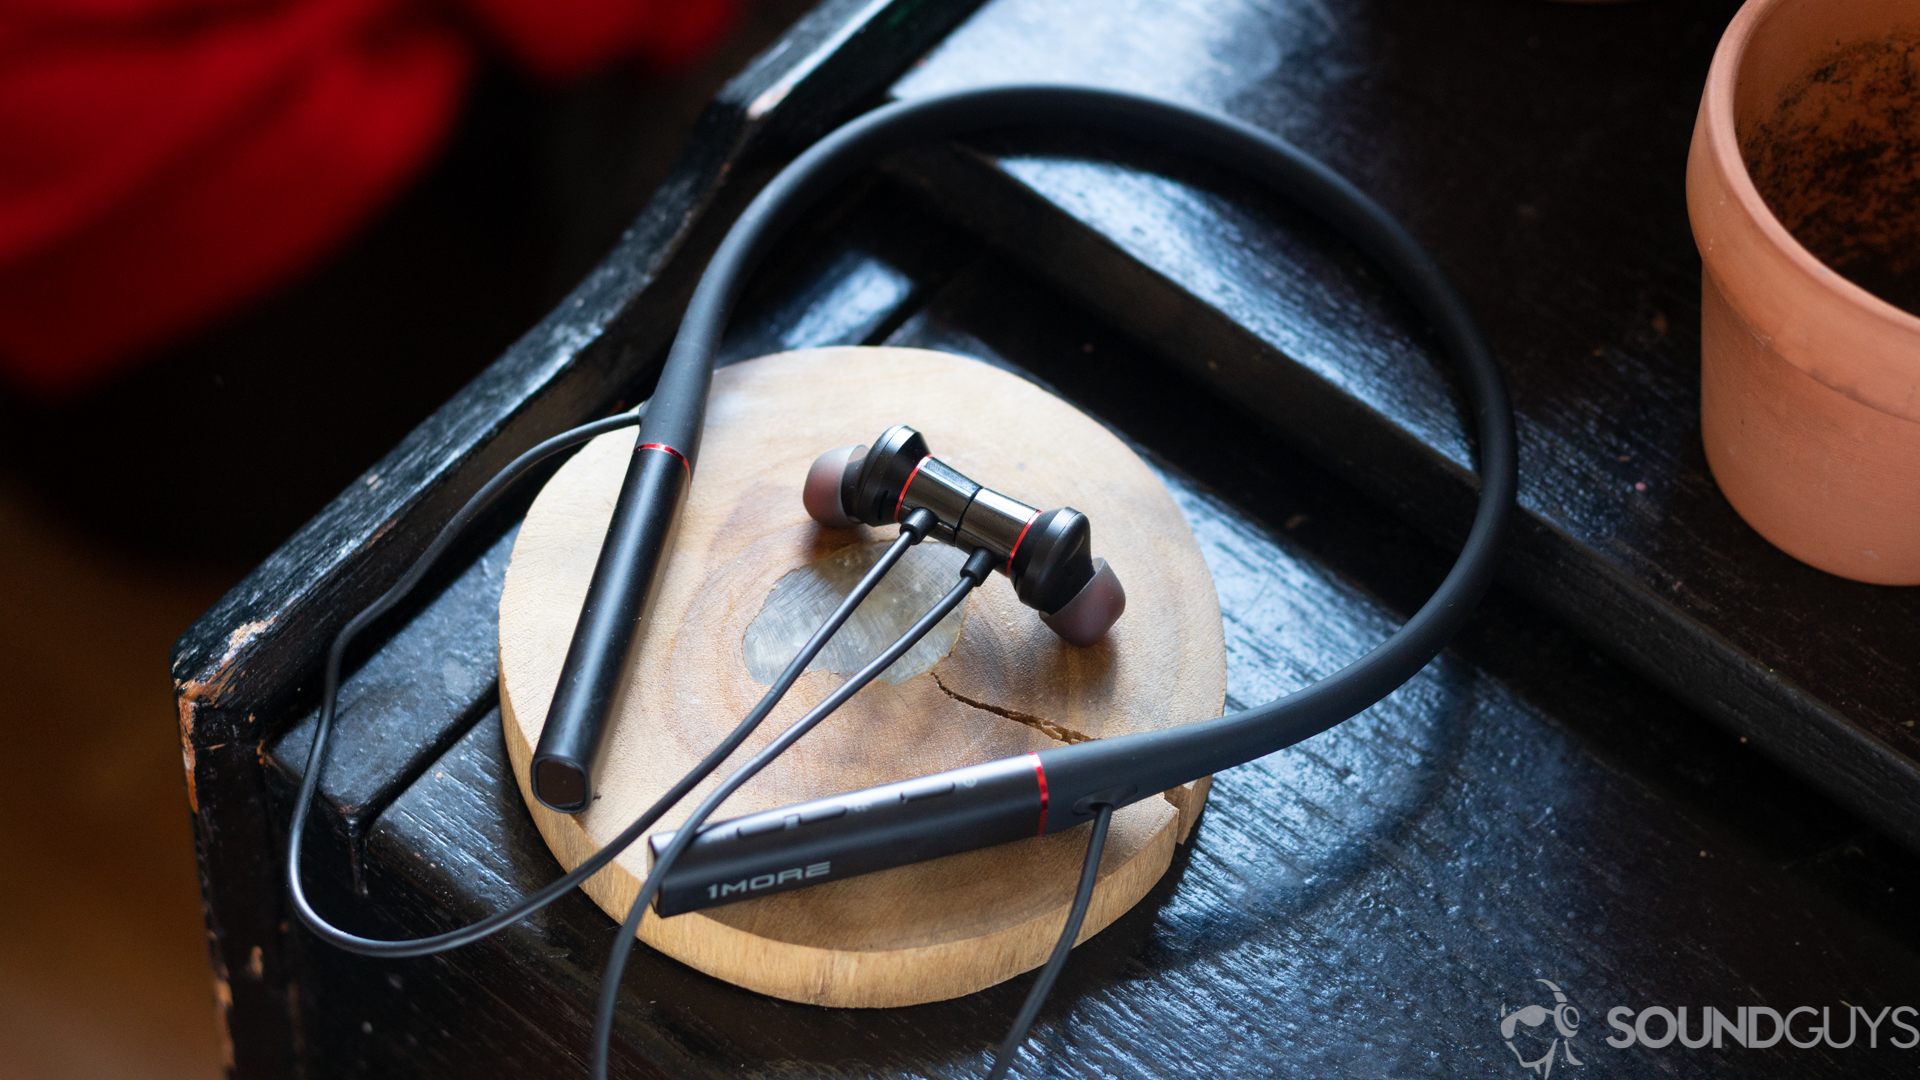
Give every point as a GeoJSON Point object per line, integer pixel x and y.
{"type": "Point", "coordinates": [1667, 766]}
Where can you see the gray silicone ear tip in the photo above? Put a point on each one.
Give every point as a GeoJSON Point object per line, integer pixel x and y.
{"type": "Point", "coordinates": [821, 495]}
{"type": "Point", "coordinates": [1092, 612]}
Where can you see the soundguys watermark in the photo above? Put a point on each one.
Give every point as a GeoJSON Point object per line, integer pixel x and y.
{"type": "Point", "coordinates": [1544, 1033]}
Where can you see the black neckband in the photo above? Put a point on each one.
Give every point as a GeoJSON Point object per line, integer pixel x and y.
{"type": "Point", "coordinates": [1120, 769]}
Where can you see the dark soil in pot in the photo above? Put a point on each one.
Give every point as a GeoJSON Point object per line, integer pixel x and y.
{"type": "Point", "coordinates": [1838, 162]}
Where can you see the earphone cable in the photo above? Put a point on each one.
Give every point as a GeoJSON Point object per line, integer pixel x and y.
{"type": "Point", "coordinates": [912, 532]}
{"type": "Point", "coordinates": [978, 566]}
{"type": "Point", "coordinates": [1042, 986]}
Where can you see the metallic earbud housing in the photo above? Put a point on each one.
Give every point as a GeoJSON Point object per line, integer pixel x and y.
{"type": "Point", "coordinates": [1048, 556]}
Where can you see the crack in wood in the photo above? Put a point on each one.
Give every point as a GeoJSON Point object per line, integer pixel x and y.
{"type": "Point", "coordinates": [1038, 723]}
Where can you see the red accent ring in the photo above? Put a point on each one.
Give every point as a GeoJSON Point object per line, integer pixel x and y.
{"type": "Point", "coordinates": [902, 500]}
{"type": "Point", "coordinates": [1040, 774]}
{"type": "Point", "coordinates": [1008, 569]}
{"type": "Point", "coordinates": [667, 449]}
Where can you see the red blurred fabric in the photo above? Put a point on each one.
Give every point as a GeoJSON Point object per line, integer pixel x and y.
{"type": "Point", "coordinates": [164, 161]}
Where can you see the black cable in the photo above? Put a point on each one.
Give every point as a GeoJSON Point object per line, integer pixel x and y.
{"type": "Point", "coordinates": [912, 531]}
{"type": "Point", "coordinates": [1089, 873]}
{"type": "Point", "coordinates": [978, 566]}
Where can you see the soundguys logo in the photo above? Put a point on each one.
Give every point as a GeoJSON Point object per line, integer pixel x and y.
{"type": "Point", "coordinates": [1559, 1037]}
{"type": "Point", "coordinates": [1542, 1034]}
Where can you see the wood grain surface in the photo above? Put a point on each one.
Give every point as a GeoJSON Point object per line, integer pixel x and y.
{"type": "Point", "coordinates": [914, 934]}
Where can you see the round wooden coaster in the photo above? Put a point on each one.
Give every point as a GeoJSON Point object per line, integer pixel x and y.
{"type": "Point", "coordinates": [746, 564]}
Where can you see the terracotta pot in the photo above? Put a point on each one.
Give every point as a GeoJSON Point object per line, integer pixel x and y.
{"type": "Point", "coordinates": [1810, 384]}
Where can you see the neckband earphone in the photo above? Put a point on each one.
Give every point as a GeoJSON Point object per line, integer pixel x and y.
{"type": "Point", "coordinates": [982, 804]}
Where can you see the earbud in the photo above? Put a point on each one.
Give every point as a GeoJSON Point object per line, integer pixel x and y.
{"type": "Point", "coordinates": [1046, 555]}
